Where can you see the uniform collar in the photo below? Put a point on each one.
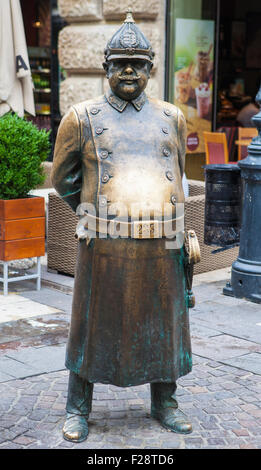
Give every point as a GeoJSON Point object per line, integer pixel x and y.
{"type": "Point", "coordinates": [120, 104]}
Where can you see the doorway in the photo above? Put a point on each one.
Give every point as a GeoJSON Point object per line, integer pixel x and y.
{"type": "Point", "coordinates": [42, 24]}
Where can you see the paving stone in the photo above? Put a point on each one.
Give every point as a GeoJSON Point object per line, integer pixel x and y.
{"type": "Point", "coordinates": [59, 412]}
{"type": "Point", "coordinates": [230, 320]}
{"type": "Point", "coordinates": [23, 440]}
{"type": "Point", "coordinates": [193, 441]}
{"type": "Point", "coordinates": [37, 415]}
{"type": "Point", "coordinates": [213, 364]}
{"type": "Point", "coordinates": [216, 441]}
{"type": "Point", "coordinates": [202, 331]}
{"type": "Point", "coordinates": [250, 362]}
{"type": "Point", "coordinates": [223, 347]}
{"type": "Point", "coordinates": [224, 394]}
{"type": "Point", "coordinates": [4, 377]}
{"type": "Point", "coordinates": [51, 297]}
{"type": "Point", "coordinates": [167, 445]}
{"type": "Point", "coordinates": [10, 445]}
{"type": "Point", "coordinates": [248, 446]}
{"type": "Point", "coordinates": [231, 425]}
{"type": "Point", "coordinates": [197, 389]}
{"type": "Point", "coordinates": [241, 432]}
{"type": "Point", "coordinates": [255, 413]}
{"type": "Point", "coordinates": [209, 425]}
{"type": "Point", "coordinates": [7, 435]}
{"type": "Point", "coordinates": [46, 359]}
{"type": "Point", "coordinates": [217, 372]}
{"type": "Point", "coordinates": [15, 369]}
{"type": "Point", "coordinates": [218, 410]}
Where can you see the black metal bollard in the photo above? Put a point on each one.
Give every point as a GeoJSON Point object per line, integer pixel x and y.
{"type": "Point", "coordinates": [246, 270]}
{"type": "Point", "coordinates": [223, 205]}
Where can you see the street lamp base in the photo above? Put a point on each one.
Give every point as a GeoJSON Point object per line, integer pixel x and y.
{"type": "Point", "coordinates": [245, 285]}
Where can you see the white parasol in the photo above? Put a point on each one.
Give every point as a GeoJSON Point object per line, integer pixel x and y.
{"type": "Point", "coordinates": [16, 85]}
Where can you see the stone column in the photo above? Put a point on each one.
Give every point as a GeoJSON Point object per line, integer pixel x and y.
{"type": "Point", "coordinates": [91, 23]}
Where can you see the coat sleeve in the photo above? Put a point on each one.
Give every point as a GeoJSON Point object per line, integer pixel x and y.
{"type": "Point", "coordinates": [182, 141]}
{"type": "Point", "coordinates": [67, 164]}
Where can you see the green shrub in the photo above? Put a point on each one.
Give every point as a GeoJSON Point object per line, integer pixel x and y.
{"type": "Point", "coordinates": [23, 148]}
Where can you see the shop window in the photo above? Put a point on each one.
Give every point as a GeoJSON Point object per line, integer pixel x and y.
{"type": "Point", "coordinates": [191, 59]}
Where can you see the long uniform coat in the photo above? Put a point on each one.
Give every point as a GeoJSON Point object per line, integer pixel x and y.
{"type": "Point", "coordinates": [130, 316]}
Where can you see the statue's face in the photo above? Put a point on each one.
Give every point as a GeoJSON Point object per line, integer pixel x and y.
{"type": "Point", "coordinates": [128, 77]}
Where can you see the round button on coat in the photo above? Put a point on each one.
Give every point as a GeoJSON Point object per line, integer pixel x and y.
{"type": "Point", "coordinates": [95, 110]}
{"type": "Point", "coordinates": [173, 200]}
{"type": "Point", "coordinates": [170, 175]}
{"type": "Point", "coordinates": [102, 201]}
{"type": "Point", "coordinates": [167, 112]}
{"type": "Point", "coordinates": [99, 130]}
{"type": "Point", "coordinates": [104, 154]}
{"type": "Point", "coordinates": [166, 152]}
{"type": "Point", "coordinates": [105, 178]}
{"type": "Point", "coordinates": [165, 130]}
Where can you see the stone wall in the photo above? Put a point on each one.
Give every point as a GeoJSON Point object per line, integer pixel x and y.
{"type": "Point", "coordinates": [91, 23]}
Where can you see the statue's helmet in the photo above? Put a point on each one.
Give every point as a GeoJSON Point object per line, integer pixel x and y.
{"type": "Point", "coordinates": [129, 42]}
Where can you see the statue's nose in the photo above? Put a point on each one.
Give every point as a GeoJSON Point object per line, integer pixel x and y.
{"type": "Point", "coordinates": [129, 70]}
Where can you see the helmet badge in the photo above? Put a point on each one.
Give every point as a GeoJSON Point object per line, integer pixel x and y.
{"type": "Point", "coordinates": [129, 39]}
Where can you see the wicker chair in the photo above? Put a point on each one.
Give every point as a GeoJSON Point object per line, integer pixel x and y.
{"type": "Point", "coordinates": [62, 245]}
{"type": "Point", "coordinates": [194, 219]}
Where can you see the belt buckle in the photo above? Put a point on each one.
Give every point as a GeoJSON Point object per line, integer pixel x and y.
{"type": "Point", "coordinates": [146, 229]}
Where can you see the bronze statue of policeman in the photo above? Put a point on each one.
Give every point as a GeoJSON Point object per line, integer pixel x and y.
{"type": "Point", "coordinates": [129, 322]}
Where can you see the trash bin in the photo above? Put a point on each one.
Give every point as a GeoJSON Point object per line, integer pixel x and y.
{"type": "Point", "coordinates": [223, 203]}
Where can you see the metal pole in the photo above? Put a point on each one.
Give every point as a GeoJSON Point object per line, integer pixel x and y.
{"type": "Point", "coordinates": [38, 282]}
{"type": "Point", "coordinates": [246, 270]}
{"type": "Point", "coordinates": [5, 277]}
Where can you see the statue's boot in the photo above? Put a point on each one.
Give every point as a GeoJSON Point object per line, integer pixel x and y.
{"type": "Point", "coordinates": [164, 408]}
{"type": "Point", "coordinates": [75, 428]}
{"type": "Point", "coordinates": [78, 407]}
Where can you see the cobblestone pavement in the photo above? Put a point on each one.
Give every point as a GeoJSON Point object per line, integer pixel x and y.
{"type": "Point", "coordinates": [221, 394]}
{"type": "Point", "coordinates": [223, 403]}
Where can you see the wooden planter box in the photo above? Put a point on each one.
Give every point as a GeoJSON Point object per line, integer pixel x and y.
{"type": "Point", "coordinates": [22, 228]}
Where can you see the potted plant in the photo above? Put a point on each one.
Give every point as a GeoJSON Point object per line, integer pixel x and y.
{"type": "Point", "coordinates": [23, 148]}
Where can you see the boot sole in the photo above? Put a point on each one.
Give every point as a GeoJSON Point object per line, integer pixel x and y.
{"type": "Point", "coordinates": [75, 440]}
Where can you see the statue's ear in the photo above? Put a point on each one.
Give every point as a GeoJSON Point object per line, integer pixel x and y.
{"type": "Point", "coordinates": [105, 66]}
{"type": "Point", "coordinates": [150, 67]}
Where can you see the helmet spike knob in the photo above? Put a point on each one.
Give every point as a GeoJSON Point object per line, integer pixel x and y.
{"type": "Point", "coordinates": [129, 17]}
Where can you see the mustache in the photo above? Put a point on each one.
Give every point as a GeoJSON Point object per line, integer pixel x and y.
{"type": "Point", "coordinates": [130, 79]}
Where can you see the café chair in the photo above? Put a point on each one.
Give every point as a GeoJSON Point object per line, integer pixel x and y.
{"type": "Point", "coordinates": [245, 133]}
{"type": "Point", "coordinates": [216, 148]}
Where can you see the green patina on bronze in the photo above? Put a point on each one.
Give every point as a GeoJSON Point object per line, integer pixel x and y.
{"type": "Point", "coordinates": [129, 315]}
{"type": "Point", "coordinates": [130, 321]}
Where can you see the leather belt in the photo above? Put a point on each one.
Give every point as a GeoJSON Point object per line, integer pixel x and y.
{"type": "Point", "coordinates": [140, 229]}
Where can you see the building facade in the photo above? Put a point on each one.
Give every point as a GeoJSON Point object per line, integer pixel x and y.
{"type": "Point", "coordinates": [90, 24]}
{"type": "Point", "coordinates": [207, 60]}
